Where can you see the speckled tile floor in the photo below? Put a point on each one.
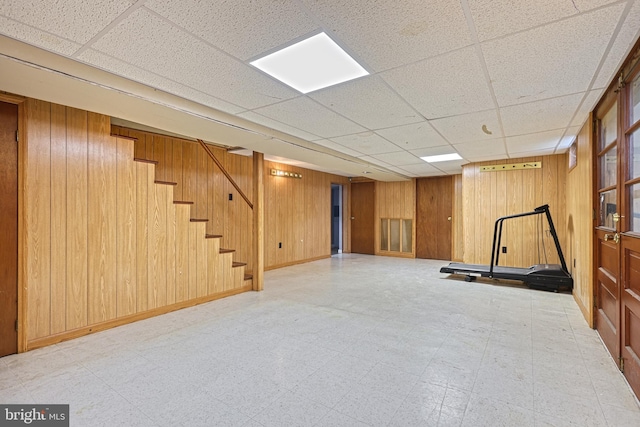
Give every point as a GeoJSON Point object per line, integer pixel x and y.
{"type": "Point", "coordinates": [354, 340]}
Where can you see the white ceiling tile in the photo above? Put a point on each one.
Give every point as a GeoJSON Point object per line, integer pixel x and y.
{"type": "Point", "coordinates": [424, 169]}
{"type": "Point", "coordinates": [469, 127]}
{"type": "Point", "coordinates": [373, 160]}
{"type": "Point", "coordinates": [587, 106]}
{"type": "Point", "coordinates": [448, 85]}
{"type": "Point", "coordinates": [433, 151]}
{"type": "Point", "coordinates": [454, 166]}
{"type": "Point", "coordinates": [368, 102]}
{"type": "Point", "coordinates": [399, 158]}
{"type": "Point", "coordinates": [568, 139]}
{"type": "Point", "coordinates": [495, 18]}
{"type": "Point", "coordinates": [402, 171]}
{"type": "Point", "coordinates": [243, 28]}
{"type": "Point", "coordinates": [366, 143]}
{"type": "Point", "coordinates": [475, 150]}
{"type": "Point", "coordinates": [534, 142]}
{"type": "Point", "coordinates": [488, 158]}
{"type": "Point", "coordinates": [279, 126]}
{"type": "Point", "coordinates": [170, 52]}
{"type": "Point", "coordinates": [533, 153]}
{"type": "Point", "coordinates": [539, 116]}
{"type": "Point", "coordinates": [416, 135]}
{"type": "Point", "coordinates": [337, 147]}
{"type": "Point", "coordinates": [387, 34]}
{"type": "Point", "coordinates": [621, 46]}
{"type": "Point", "coordinates": [75, 20]}
{"type": "Point", "coordinates": [549, 61]}
{"type": "Point", "coordinates": [305, 114]}
{"type": "Point", "coordinates": [107, 63]}
{"type": "Point", "coordinates": [36, 37]}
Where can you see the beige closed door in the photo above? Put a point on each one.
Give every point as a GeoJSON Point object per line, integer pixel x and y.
{"type": "Point", "coordinates": [362, 218]}
{"type": "Point", "coordinates": [434, 210]}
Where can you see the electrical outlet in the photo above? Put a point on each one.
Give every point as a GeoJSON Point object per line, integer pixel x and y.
{"type": "Point", "coordinates": [279, 245]}
{"type": "Point", "coordinates": [504, 249]}
{"type": "Point", "coordinates": [230, 196]}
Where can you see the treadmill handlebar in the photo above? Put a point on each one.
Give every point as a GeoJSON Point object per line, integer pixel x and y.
{"type": "Point", "coordinates": [497, 236]}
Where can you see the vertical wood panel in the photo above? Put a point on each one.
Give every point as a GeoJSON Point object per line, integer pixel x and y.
{"type": "Point", "coordinates": [38, 224]}
{"type": "Point", "coordinates": [182, 252]}
{"type": "Point", "coordinates": [178, 170]}
{"type": "Point", "coordinates": [189, 174]}
{"type": "Point", "coordinates": [157, 214]}
{"type": "Point", "coordinates": [101, 208]}
{"type": "Point", "coordinates": [126, 227]}
{"type": "Point", "coordinates": [201, 260]}
{"type": "Point", "coordinates": [171, 246]}
{"type": "Point", "coordinates": [192, 260]}
{"type": "Point", "coordinates": [144, 181]}
{"type": "Point", "coordinates": [202, 184]}
{"type": "Point", "coordinates": [77, 214]}
{"type": "Point", "coordinates": [457, 238]}
{"type": "Point", "coordinates": [213, 278]}
{"type": "Point", "coordinates": [58, 218]}
{"type": "Point", "coordinates": [580, 223]}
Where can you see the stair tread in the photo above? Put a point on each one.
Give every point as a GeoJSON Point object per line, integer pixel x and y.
{"type": "Point", "coordinates": [226, 251]}
{"type": "Point", "coordinates": [238, 264]}
{"type": "Point", "coordinates": [212, 236]}
{"type": "Point", "coordinates": [157, 181]}
{"type": "Point", "coordinates": [199, 220]}
{"type": "Point", "coordinates": [182, 202]}
{"type": "Point", "coordinates": [248, 276]}
{"type": "Point", "coordinates": [141, 160]}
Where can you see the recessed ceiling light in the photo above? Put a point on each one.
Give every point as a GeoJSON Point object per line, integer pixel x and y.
{"type": "Point", "coordinates": [442, 158]}
{"type": "Point", "coordinates": [312, 64]}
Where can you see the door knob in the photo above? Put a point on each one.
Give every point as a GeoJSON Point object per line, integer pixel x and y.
{"type": "Point", "coordinates": [617, 216]}
{"type": "Point", "coordinates": [448, 218]}
{"type": "Point", "coordinates": [353, 217]}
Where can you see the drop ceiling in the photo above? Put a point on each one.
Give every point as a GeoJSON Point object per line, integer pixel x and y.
{"type": "Point", "coordinates": [488, 79]}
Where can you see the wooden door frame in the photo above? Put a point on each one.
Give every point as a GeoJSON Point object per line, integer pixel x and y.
{"type": "Point", "coordinates": [617, 91]}
{"type": "Point", "coordinates": [22, 150]}
{"type": "Point", "coordinates": [346, 214]}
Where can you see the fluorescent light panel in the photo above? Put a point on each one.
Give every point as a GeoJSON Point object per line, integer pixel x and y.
{"type": "Point", "coordinates": [442, 158]}
{"type": "Point", "coordinates": [312, 64]}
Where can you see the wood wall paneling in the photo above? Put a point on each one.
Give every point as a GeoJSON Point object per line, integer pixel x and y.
{"type": "Point", "coordinates": [104, 244]}
{"type": "Point", "coordinates": [183, 213]}
{"type": "Point", "coordinates": [144, 177]}
{"type": "Point", "coordinates": [126, 229]}
{"type": "Point", "coordinates": [101, 226]}
{"type": "Point", "coordinates": [77, 218]}
{"type": "Point", "coordinates": [457, 238]}
{"type": "Point", "coordinates": [38, 236]}
{"type": "Point", "coordinates": [579, 224]}
{"type": "Point", "coordinates": [58, 218]}
{"type": "Point", "coordinates": [489, 195]}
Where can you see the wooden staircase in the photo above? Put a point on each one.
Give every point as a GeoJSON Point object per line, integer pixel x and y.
{"type": "Point", "coordinates": [222, 274]}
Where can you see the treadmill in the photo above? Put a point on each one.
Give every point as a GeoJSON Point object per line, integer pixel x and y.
{"type": "Point", "coordinates": [549, 277]}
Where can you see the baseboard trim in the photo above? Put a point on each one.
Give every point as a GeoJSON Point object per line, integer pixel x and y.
{"type": "Point", "coordinates": [289, 264]}
{"type": "Point", "coordinates": [77, 333]}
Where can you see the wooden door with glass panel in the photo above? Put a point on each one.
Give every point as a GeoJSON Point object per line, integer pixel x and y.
{"type": "Point", "coordinates": [630, 233]}
{"type": "Point", "coordinates": [607, 316]}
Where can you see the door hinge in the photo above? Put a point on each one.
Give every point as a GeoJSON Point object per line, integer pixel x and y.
{"type": "Point", "coordinates": [16, 325]}
{"type": "Point", "coordinates": [17, 136]}
{"type": "Point", "coordinates": [621, 363]}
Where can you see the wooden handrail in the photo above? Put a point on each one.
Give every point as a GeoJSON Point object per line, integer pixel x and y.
{"type": "Point", "coordinates": [224, 171]}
